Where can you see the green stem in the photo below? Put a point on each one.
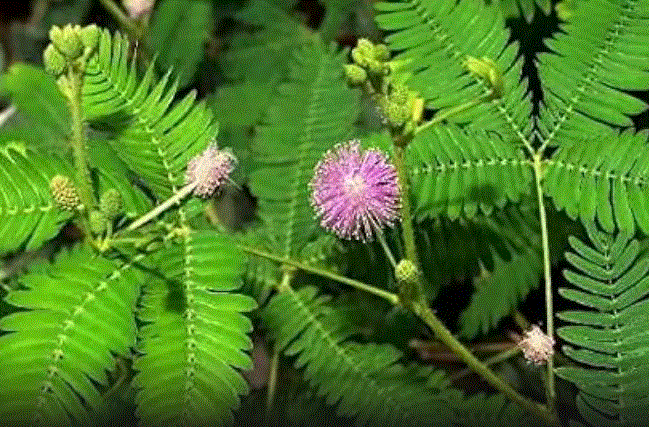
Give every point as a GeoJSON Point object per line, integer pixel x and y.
{"type": "Point", "coordinates": [443, 115]}
{"type": "Point", "coordinates": [549, 310]}
{"type": "Point", "coordinates": [408, 233]}
{"type": "Point", "coordinates": [78, 142]}
{"type": "Point", "coordinates": [500, 357]}
{"type": "Point", "coordinates": [421, 309]}
{"type": "Point", "coordinates": [272, 384]}
{"type": "Point", "coordinates": [389, 296]}
{"type": "Point", "coordinates": [388, 253]}
{"type": "Point", "coordinates": [175, 199]}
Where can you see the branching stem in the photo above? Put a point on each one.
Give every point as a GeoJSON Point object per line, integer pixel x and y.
{"type": "Point", "coordinates": [445, 114]}
{"type": "Point", "coordinates": [549, 309]}
{"type": "Point", "coordinates": [421, 309]}
{"type": "Point", "coordinates": [175, 199]}
{"type": "Point", "coordinates": [388, 296]}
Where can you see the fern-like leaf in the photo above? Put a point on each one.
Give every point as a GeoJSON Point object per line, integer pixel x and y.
{"type": "Point", "coordinates": [599, 54]}
{"type": "Point", "coordinates": [604, 179]}
{"type": "Point", "coordinates": [178, 31]}
{"type": "Point", "coordinates": [432, 40]}
{"type": "Point", "coordinates": [365, 381]}
{"type": "Point", "coordinates": [155, 137]}
{"type": "Point", "coordinates": [80, 311]}
{"type": "Point", "coordinates": [459, 173]}
{"type": "Point", "coordinates": [313, 111]}
{"type": "Point", "coordinates": [608, 339]}
{"type": "Point", "coordinates": [43, 116]}
{"type": "Point", "coordinates": [28, 215]}
{"type": "Point", "coordinates": [195, 335]}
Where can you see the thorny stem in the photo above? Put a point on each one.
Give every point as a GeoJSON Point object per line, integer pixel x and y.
{"type": "Point", "coordinates": [421, 309]}
{"type": "Point", "coordinates": [176, 198]}
{"type": "Point", "coordinates": [389, 296]}
{"type": "Point", "coordinates": [79, 143]}
{"type": "Point", "coordinates": [549, 310]}
{"type": "Point", "coordinates": [408, 233]}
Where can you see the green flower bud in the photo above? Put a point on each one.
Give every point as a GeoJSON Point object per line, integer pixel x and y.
{"type": "Point", "coordinates": [363, 53]}
{"type": "Point", "coordinates": [377, 67]}
{"type": "Point", "coordinates": [67, 41]}
{"type": "Point", "coordinates": [408, 279]}
{"type": "Point", "coordinates": [400, 94]}
{"type": "Point", "coordinates": [54, 62]}
{"type": "Point", "coordinates": [64, 193]}
{"type": "Point", "coordinates": [406, 272]}
{"type": "Point", "coordinates": [110, 203]}
{"type": "Point", "coordinates": [90, 36]}
{"type": "Point", "coordinates": [397, 114]}
{"type": "Point", "coordinates": [355, 75]}
{"type": "Point", "coordinates": [487, 70]}
{"type": "Point", "coordinates": [98, 222]}
{"type": "Point", "coordinates": [381, 52]}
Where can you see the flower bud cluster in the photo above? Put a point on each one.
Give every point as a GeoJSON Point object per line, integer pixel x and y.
{"type": "Point", "coordinates": [369, 59]}
{"type": "Point", "coordinates": [64, 193]}
{"type": "Point", "coordinates": [70, 44]}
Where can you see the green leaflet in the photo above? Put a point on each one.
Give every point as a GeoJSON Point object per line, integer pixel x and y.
{"type": "Point", "coordinates": [194, 338]}
{"type": "Point", "coordinates": [600, 54]}
{"type": "Point", "coordinates": [42, 119]}
{"type": "Point", "coordinates": [458, 172]}
{"type": "Point", "coordinates": [608, 339]}
{"type": "Point", "coordinates": [312, 112]}
{"type": "Point", "coordinates": [525, 8]}
{"type": "Point", "coordinates": [80, 313]}
{"type": "Point", "coordinates": [602, 180]}
{"type": "Point", "coordinates": [152, 135]}
{"type": "Point", "coordinates": [431, 41]}
{"type": "Point", "coordinates": [364, 380]}
{"type": "Point", "coordinates": [28, 216]}
{"type": "Point", "coordinates": [178, 31]}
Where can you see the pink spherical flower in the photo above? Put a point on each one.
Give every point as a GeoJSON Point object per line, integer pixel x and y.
{"type": "Point", "coordinates": [210, 170]}
{"type": "Point", "coordinates": [537, 347]}
{"type": "Point", "coordinates": [355, 193]}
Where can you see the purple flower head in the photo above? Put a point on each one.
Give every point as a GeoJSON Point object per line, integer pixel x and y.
{"type": "Point", "coordinates": [210, 170]}
{"type": "Point", "coordinates": [537, 347]}
{"type": "Point", "coordinates": [355, 193]}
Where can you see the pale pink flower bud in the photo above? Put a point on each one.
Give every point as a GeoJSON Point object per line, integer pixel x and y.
{"type": "Point", "coordinates": [537, 346]}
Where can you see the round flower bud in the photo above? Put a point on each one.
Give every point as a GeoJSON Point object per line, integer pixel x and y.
{"type": "Point", "coordinates": [355, 75]}
{"type": "Point", "coordinates": [98, 222]}
{"type": "Point", "coordinates": [376, 67]}
{"type": "Point", "coordinates": [209, 170]}
{"type": "Point", "coordinates": [381, 52]}
{"type": "Point", "coordinates": [64, 193]}
{"type": "Point", "coordinates": [54, 62]}
{"type": "Point", "coordinates": [399, 94]}
{"type": "Point", "coordinates": [110, 203]}
{"type": "Point", "coordinates": [67, 41]}
{"type": "Point", "coordinates": [397, 114]}
{"type": "Point", "coordinates": [90, 36]}
{"type": "Point", "coordinates": [406, 272]}
{"type": "Point", "coordinates": [537, 347]}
